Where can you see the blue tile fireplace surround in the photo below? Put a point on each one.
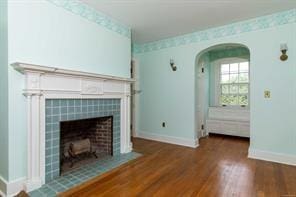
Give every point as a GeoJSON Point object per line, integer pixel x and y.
{"type": "Point", "coordinates": [58, 110]}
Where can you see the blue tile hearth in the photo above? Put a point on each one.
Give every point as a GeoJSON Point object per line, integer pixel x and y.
{"type": "Point", "coordinates": [82, 174]}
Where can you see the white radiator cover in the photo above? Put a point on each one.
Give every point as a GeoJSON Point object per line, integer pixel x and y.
{"type": "Point", "coordinates": [228, 121]}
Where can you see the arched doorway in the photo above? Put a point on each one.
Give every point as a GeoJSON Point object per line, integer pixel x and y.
{"type": "Point", "coordinates": [222, 90]}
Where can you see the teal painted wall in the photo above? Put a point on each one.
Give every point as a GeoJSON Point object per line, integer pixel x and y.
{"type": "Point", "coordinates": [239, 52]}
{"type": "Point", "coordinates": [4, 91]}
{"type": "Point", "coordinates": [169, 96]}
{"type": "Point", "coordinates": [43, 33]}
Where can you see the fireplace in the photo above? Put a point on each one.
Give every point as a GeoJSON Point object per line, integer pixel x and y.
{"type": "Point", "coordinates": [56, 95]}
{"type": "Point", "coordinates": [73, 120]}
{"type": "Point", "coordinates": [84, 141]}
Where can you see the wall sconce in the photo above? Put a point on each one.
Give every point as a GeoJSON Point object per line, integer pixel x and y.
{"type": "Point", "coordinates": [173, 66]}
{"type": "Point", "coordinates": [284, 49]}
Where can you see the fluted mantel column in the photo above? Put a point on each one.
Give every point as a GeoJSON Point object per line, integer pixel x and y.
{"type": "Point", "coordinates": [33, 140]}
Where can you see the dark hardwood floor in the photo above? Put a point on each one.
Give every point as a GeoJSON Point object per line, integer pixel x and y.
{"type": "Point", "coordinates": [218, 167]}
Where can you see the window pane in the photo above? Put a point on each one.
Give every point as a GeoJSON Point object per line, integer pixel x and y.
{"type": "Point", "coordinates": [224, 68]}
{"type": "Point", "coordinates": [229, 99]}
{"type": "Point", "coordinates": [243, 77]}
{"type": "Point", "coordinates": [225, 89]}
{"type": "Point", "coordinates": [224, 100]}
{"type": "Point", "coordinates": [234, 68]}
{"type": "Point", "coordinates": [233, 89]}
{"type": "Point", "coordinates": [243, 100]}
{"type": "Point", "coordinates": [224, 78]}
{"type": "Point", "coordinates": [233, 78]}
{"type": "Point", "coordinates": [244, 67]}
{"type": "Point", "coordinates": [243, 89]}
{"type": "Point", "coordinates": [233, 100]}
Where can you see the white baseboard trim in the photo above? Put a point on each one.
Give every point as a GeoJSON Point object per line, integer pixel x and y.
{"type": "Point", "coordinates": [135, 134]}
{"type": "Point", "coordinates": [33, 184]}
{"type": "Point", "coordinates": [273, 157]}
{"type": "Point", "coordinates": [2, 194]}
{"type": "Point", "coordinates": [2, 187]}
{"type": "Point", "coordinates": [168, 139]}
{"type": "Point", "coordinates": [9, 189]}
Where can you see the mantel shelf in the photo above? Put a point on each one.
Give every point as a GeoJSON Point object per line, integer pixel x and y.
{"type": "Point", "coordinates": [25, 67]}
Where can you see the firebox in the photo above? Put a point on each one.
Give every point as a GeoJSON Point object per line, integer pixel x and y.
{"type": "Point", "coordinates": [84, 141]}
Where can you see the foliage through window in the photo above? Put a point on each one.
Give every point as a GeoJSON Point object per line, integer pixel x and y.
{"type": "Point", "coordinates": [234, 84]}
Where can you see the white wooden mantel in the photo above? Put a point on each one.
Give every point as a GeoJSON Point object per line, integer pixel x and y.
{"type": "Point", "coordinates": [43, 82]}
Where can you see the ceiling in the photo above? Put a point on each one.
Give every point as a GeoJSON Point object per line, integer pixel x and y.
{"type": "Point", "coordinates": [153, 20]}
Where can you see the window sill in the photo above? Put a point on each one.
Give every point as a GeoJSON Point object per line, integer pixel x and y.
{"type": "Point", "coordinates": [232, 107]}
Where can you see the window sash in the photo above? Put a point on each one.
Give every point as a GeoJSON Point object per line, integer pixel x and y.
{"type": "Point", "coordinates": [236, 83]}
{"type": "Point", "coordinates": [237, 101]}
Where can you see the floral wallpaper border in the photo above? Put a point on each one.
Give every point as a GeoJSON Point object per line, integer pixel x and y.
{"type": "Point", "coordinates": [92, 15]}
{"type": "Point", "coordinates": [259, 23]}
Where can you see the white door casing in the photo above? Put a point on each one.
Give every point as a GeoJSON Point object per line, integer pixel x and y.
{"type": "Point", "coordinates": [200, 100]}
{"type": "Point", "coordinates": [135, 92]}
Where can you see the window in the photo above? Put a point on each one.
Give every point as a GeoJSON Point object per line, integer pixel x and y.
{"type": "Point", "coordinates": [234, 84]}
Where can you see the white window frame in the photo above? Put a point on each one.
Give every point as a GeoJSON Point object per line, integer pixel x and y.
{"type": "Point", "coordinates": [217, 93]}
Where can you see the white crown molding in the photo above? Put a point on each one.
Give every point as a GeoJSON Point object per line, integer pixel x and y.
{"type": "Point", "coordinates": [272, 156]}
{"type": "Point", "coordinates": [168, 139]}
{"type": "Point", "coordinates": [9, 189]}
{"type": "Point", "coordinates": [25, 67]}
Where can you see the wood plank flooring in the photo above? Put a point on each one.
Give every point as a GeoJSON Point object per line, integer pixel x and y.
{"type": "Point", "coordinates": [218, 167]}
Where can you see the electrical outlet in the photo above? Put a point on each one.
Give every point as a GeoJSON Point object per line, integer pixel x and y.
{"type": "Point", "coordinates": [266, 94]}
{"type": "Point", "coordinates": [163, 124]}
